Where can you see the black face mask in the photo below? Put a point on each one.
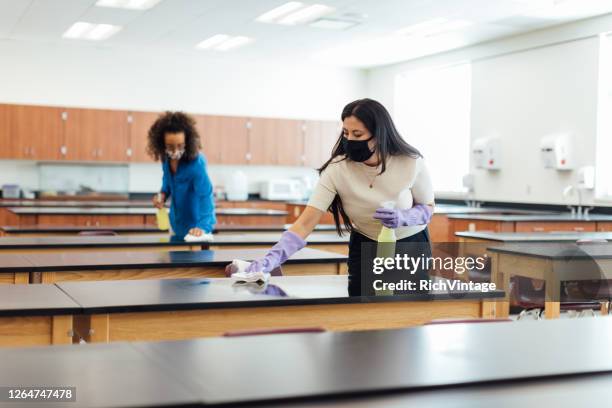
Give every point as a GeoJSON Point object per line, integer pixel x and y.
{"type": "Point", "coordinates": [357, 150]}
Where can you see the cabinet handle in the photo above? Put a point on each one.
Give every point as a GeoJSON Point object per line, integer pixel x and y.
{"type": "Point", "coordinates": [63, 150]}
{"type": "Point", "coordinates": [129, 152]}
{"type": "Point", "coordinates": [97, 223]}
{"type": "Point", "coordinates": [538, 229]}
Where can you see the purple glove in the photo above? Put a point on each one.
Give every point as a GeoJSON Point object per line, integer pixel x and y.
{"type": "Point", "coordinates": [288, 245]}
{"type": "Point", "coordinates": [392, 218]}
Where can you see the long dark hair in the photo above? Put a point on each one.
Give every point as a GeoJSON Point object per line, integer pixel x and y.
{"type": "Point", "coordinates": [389, 142]}
{"type": "Point", "coordinates": [173, 122]}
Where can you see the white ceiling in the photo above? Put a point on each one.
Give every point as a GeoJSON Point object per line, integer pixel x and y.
{"type": "Point", "coordinates": [178, 25]}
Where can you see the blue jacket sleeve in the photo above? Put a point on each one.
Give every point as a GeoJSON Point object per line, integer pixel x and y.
{"type": "Point", "coordinates": [204, 194]}
{"type": "Point", "coordinates": [165, 188]}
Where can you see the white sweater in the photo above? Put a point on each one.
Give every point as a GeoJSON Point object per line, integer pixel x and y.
{"type": "Point", "coordinates": [351, 181]}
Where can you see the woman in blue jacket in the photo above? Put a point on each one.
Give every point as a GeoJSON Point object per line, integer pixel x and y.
{"type": "Point", "coordinates": [174, 140]}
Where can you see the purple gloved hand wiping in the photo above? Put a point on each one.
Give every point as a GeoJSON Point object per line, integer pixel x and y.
{"type": "Point", "coordinates": [393, 218]}
{"type": "Point", "coordinates": [288, 244]}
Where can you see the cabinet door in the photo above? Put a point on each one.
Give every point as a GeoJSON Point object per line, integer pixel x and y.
{"type": "Point", "coordinates": [330, 131]}
{"type": "Point", "coordinates": [212, 136]}
{"type": "Point", "coordinates": [312, 143]}
{"type": "Point", "coordinates": [139, 125]}
{"type": "Point", "coordinates": [5, 133]}
{"type": "Point", "coordinates": [555, 226]}
{"type": "Point", "coordinates": [263, 141]}
{"type": "Point", "coordinates": [234, 136]}
{"type": "Point", "coordinates": [95, 134]}
{"type": "Point", "coordinates": [36, 132]}
{"type": "Point", "coordinates": [290, 142]}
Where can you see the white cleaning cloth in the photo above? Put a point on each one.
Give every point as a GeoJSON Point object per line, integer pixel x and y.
{"type": "Point", "coordinates": [201, 238]}
{"type": "Point", "coordinates": [239, 274]}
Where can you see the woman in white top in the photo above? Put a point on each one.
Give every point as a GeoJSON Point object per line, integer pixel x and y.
{"type": "Point", "coordinates": [370, 164]}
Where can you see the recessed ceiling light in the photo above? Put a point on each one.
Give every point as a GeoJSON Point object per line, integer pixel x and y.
{"type": "Point", "coordinates": [223, 42]}
{"type": "Point", "coordinates": [295, 12]}
{"type": "Point", "coordinates": [333, 24]}
{"type": "Point", "coordinates": [128, 4]}
{"type": "Point", "coordinates": [434, 27]}
{"type": "Point", "coordinates": [82, 30]}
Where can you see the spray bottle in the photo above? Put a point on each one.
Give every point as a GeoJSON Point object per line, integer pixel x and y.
{"type": "Point", "coordinates": [163, 221]}
{"type": "Point", "coordinates": [386, 238]}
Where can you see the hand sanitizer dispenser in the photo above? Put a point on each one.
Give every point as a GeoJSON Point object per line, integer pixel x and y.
{"type": "Point", "coordinates": [557, 152]}
{"type": "Point", "coordinates": [487, 153]}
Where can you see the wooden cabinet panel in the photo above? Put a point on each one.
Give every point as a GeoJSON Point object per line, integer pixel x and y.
{"type": "Point", "coordinates": [319, 140]}
{"type": "Point", "coordinates": [555, 226]}
{"type": "Point", "coordinates": [295, 210]}
{"type": "Point", "coordinates": [211, 130]}
{"type": "Point", "coordinates": [263, 141]}
{"type": "Point", "coordinates": [36, 132]}
{"type": "Point", "coordinates": [604, 226]}
{"type": "Point", "coordinates": [5, 133]}
{"type": "Point", "coordinates": [312, 143]}
{"type": "Point", "coordinates": [139, 125]}
{"type": "Point", "coordinates": [234, 139]}
{"type": "Point", "coordinates": [330, 131]}
{"type": "Point", "coordinates": [439, 228]}
{"type": "Point", "coordinates": [95, 134]}
{"type": "Point", "coordinates": [458, 225]}
{"type": "Point", "coordinates": [290, 141]}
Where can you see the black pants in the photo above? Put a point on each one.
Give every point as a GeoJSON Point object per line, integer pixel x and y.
{"type": "Point", "coordinates": [358, 265]}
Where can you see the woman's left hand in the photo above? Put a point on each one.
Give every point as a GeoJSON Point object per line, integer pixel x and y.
{"type": "Point", "coordinates": [196, 232]}
{"type": "Point", "coordinates": [392, 218]}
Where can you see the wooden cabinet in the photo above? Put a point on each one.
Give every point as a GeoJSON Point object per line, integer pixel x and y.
{"type": "Point", "coordinates": [96, 135]}
{"type": "Point", "coordinates": [459, 225]}
{"type": "Point", "coordinates": [36, 132]}
{"type": "Point", "coordinates": [90, 220]}
{"type": "Point", "coordinates": [319, 140]}
{"type": "Point", "coordinates": [604, 226]}
{"type": "Point", "coordinates": [555, 226]}
{"type": "Point", "coordinates": [5, 133]}
{"type": "Point", "coordinates": [290, 142]}
{"type": "Point", "coordinates": [211, 131]}
{"type": "Point", "coordinates": [263, 141]}
{"type": "Point", "coordinates": [232, 138]}
{"type": "Point", "coordinates": [139, 125]}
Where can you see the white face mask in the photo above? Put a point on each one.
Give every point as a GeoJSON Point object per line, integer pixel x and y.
{"type": "Point", "coordinates": [175, 154]}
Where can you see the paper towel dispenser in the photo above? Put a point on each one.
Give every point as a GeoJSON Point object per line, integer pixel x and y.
{"type": "Point", "coordinates": [557, 151]}
{"type": "Point", "coordinates": [486, 152]}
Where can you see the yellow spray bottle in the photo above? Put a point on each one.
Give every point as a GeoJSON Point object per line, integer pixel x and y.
{"type": "Point", "coordinates": [163, 221]}
{"type": "Point", "coordinates": [385, 248]}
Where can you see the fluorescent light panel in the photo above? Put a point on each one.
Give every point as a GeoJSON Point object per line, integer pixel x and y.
{"type": "Point", "coordinates": [294, 13]}
{"type": "Point", "coordinates": [223, 42]}
{"type": "Point", "coordinates": [128, 4]}
{"type": "Point", "coordinates": [82, 30]}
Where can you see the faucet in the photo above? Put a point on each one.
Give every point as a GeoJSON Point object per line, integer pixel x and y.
{"type": "Point", "coordinates": [576, 212]}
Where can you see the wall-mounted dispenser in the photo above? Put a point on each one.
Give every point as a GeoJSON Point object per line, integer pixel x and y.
{"type": "Point", "coordinates": [557, 152]}
{"type": "Point", "coordinates": [486, 152]}
{"type": "Point", "coordinates": [586, 178]}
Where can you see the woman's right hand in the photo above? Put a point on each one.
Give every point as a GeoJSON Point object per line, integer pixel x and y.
{"type": "Point", "coordinates": [159, 200]}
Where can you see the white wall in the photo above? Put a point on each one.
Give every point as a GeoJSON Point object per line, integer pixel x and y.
{"type": "Point", "coordinates": [523, 88]}
{"type": "Point", "coordinates": [98, 77]}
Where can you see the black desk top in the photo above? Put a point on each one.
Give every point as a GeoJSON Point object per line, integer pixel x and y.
{"type": "Point", "coordinates": [563, 217]}
{"type": "Point", "coordinates": [134, 211]}
{"type": "Point", "coordinates": [191, 294]}
{"type": "Point", "coordinates": [159, 240]}
{"type": "Point", "coordinates": [298, 366]}
{"type": "Point", "coordinates": [557, 251]}
{"type": "Point", "coordinates": [35, 300]}
{"type": "Point", "coordinates": [63, 229]}
{"type": "Point", "coordinates": [108, 375]}
{"type": "Point", "coordinates": [100, 260]}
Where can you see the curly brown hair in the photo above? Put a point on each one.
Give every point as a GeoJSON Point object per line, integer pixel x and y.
{"type": "Point", "coordinates": [173, 122]}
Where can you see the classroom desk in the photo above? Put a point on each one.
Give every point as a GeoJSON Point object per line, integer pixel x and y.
{"type": "Point", "coordinates": [164, 242]}
{"type": "Point", "coordinates": [46, 230]}
{"type": "Point", "coordinates": [15, 269]}
{"type": "Point", "coordinates": [464, 365]}
{"type": "Point", "coordinates": [35, 315]}
{"type": "Point", "coordinates": [154, 310]}
{"type": "Point", "coordinates": [109, 376]}
{"type": "Point", "coordinates": [551, 262]}
{"type": "Point", "coordinates": [93, 266]}
{"type": "Point", "coordinates": [432, 358]}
